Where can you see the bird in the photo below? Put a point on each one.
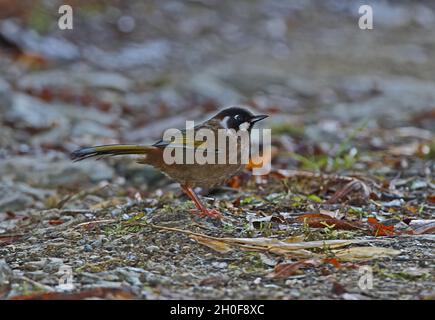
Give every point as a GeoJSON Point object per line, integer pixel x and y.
{"type": "Point", "coordinates": [232, 120]}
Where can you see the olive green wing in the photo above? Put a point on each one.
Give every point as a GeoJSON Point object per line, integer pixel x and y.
{"type": "Point", "coordinates": [184, 141]}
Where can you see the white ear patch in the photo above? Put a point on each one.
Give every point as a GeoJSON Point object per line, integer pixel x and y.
{"type": "Point", "coordinates": [244, 126]}
{"type": "Point", "coordinates": [224, 122]}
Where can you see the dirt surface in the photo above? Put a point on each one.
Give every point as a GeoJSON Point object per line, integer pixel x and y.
{"type": "Point", "coordinates": [352, 118]}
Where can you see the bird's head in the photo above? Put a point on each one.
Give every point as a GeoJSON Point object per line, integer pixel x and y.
{"type": "Point", "coordinates": [238, 118]}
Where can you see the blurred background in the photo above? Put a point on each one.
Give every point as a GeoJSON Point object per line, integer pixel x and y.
{"type": "Point", "coordinates": [337, 95]}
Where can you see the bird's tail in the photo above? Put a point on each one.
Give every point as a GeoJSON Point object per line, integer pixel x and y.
{"type": "Point", "coordinates": [111, 149]}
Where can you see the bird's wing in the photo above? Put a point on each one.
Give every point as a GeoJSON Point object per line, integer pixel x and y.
{"type": "Point", "coordinates": [184, 141]}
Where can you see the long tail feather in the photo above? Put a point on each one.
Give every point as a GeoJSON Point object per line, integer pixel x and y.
{"type": "Point", "coordinates": [113, 149]}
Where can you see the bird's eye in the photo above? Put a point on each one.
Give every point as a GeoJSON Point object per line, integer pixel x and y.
{"type": "Point", "coordinates": [237, 117]}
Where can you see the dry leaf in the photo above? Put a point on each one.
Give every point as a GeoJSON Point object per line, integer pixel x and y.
{"type": "Point", "coordinates": [103, 293]}
{"type": "Point", "coordinates": [294, 254]}
{"type": "Point", "coordinates": [9, 238]}
{"type": "Point", "coordinates": [289, 249]}
{"type": "Point", "coordinates": [365, 253]}
{"type": "Point", "coordinates": [285, 270]}
{"type": "Point", "coordinates": [422, 226]}
{"type": "Point", "coordinates": [216, 245]}
{"type": "Point", "coordinates": [378, 229]}
{"type": "Point", "coordinates": [234, 182]}
{"type": "Point", "coordinates": [338, 288]}
{"type": "Point", "coordinates": [354, 185]}
{"type": "Point", "coordinates": [107, 204]}
{"type": "Point", "coordinates": [55, 222]}
{"type": "Point", "coordinates": [333, 261]}
{"type": "Point", "coordinates": [270, 243]}
{"type": "Point", "coordinates": [319, 220]}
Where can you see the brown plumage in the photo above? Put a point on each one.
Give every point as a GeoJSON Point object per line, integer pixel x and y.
{"type": "Point", "coordinates": [188, 175]}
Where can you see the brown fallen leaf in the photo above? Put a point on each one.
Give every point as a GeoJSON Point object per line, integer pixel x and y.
{"type": "Point", "coordinates": [319, 220]}
{"type": "Point", "coordinates": [354, 185]}
{"type": "Point", "coordinates": [234, 182]}
{"type": "Point", "coordinates": [378, 229]}
{"type": "Point", "coordinates": [338, 288]}
{"type": "Point", "coordinates": [285, 270]}
{"type": "Point", "coordinates": [102, 293]}
{"type": "Point", "coordinates": [216, 245]}
{"type": "Point", "coordinates": [9, 238]}
{"type": "Point", "coordinates": [431, 198]}
{"type": "Point", "coordinates": [213, 282]}
{"type": "Point", "coordinates": [333, 261]}
{"type": "Point", "coordinates": [55, 222]}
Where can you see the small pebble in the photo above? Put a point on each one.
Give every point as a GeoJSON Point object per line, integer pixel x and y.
{"type": "Point", "coordinates": [151, 249]}
{"type": "Point", "coordinates": [219, 265]}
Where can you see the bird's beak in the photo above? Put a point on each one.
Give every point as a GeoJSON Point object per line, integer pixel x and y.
{"type": "Point", "coordinates": [255, 119]}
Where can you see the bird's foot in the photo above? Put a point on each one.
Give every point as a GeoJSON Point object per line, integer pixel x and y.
{"type": "Point", "coordinates": [213, 213]}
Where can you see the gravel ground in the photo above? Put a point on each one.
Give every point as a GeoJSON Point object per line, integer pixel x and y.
{"type": "Point", "coordinates": [352, 114]}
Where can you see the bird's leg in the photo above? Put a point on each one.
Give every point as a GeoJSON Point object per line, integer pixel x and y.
{"type": "Point", "coordinates": [204, 211]}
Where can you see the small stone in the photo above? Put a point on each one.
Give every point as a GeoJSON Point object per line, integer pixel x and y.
{"type": "Point", "coordinates": [115, 212]}
{"type": "Point", "coordinates": [53, 265]}
{"type": "Point", "coordinates": [295, 293]}
{"type": "Point", "coordinates": [393, 203]}
{"type": "Point", "coordinates": [5, 274]}
{"type": "Point", "coordinates": [33, 265]}
{"type": "Point", "coordinates": [219, 265]}
{"type": "Point", "coordinates": [152, 249]}
{"type": "Point", "coordinates": [97, 243]}
{"type": "Point", "coordinates": [131, 257]}
{"type": "Point", "coordinates": [37, 275]}
{"type": "Point", "coordinates": [420, 184]}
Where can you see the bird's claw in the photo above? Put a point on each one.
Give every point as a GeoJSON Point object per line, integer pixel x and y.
{"type": "Point", "coordinates": [212, 213]}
